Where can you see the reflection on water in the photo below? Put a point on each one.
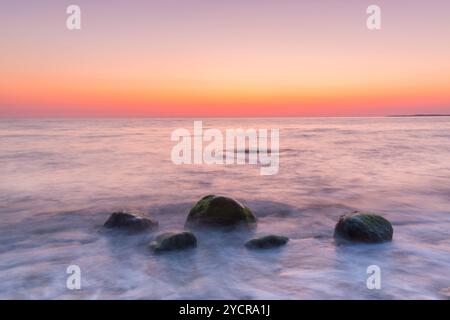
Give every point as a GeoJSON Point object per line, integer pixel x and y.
{"type": "Point", "coordinates": [61, 178]}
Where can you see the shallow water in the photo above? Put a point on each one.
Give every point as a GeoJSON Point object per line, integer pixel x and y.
{"type": "Point", "coordinates": [60, 179]}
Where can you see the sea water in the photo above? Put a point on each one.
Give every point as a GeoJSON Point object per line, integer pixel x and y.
{"type": "Point", "coordinates": [60, 180]}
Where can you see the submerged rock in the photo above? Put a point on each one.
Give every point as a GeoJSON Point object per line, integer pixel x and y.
{"type": "Point", "coordinates": [267, 242]}
{"type": "Point", "coordinates": [170, 241]}
{"type": "Point", "coordinates": [131, 221]}
{"type": "Point", "coordinates": [220, 211]}
{"type": "Point", "coordinates": [363, 227]}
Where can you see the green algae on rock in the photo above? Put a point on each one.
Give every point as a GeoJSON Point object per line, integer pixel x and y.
{"type": "Point", "coordinates": [218, 211]}
{"type": "Point", "coordinates": [363, 227]}
{"type": "Point", "coordinates": [171, 241]}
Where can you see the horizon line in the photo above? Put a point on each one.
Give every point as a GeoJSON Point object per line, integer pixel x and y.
{"type": "Point", "coordinates": [223, 117]}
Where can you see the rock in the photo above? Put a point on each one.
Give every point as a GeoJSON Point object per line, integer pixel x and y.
{"type": "Point", "coordinates": [170, 241]}
{"type": "Point", "coordinates": [363, 227]}
{"type": "Point", "coordinates": [131, 221]}
{"type": "Point", "coordinates": [218, 211]}
{"type": "Point", "coordinates": [267, 242]}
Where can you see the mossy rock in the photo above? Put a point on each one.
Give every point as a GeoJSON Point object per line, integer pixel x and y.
{"type": "Point", "coordinates": [171, 241]}
{"type": "Point", "coordinates": [267, 242]}
{"type": "Point", "coordinates": [218, 211]}
{"type": "Point", "coordinates": [130, 221]}
{"type": "Point", "coordinates": [363, 227]}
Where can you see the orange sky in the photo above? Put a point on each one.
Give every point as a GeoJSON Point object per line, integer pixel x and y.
{"type": "Point", "coordinates": [219, 61]}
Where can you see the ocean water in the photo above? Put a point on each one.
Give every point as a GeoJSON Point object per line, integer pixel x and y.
{"type": "Point", "coordinates": [60, 180]}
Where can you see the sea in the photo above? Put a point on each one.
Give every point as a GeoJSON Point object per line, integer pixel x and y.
{"type": "Point", "coordinates": [60, 179]}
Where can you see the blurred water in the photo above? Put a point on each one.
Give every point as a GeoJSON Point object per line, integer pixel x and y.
{"type": "Point", "coordinates": [60, 179]}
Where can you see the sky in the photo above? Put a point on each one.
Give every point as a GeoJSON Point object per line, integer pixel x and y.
{"type": "Point", "coordinates": [168, 58]}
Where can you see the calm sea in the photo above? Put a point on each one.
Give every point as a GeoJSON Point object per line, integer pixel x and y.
{"type": "Point", "coordinates": [60, 179]}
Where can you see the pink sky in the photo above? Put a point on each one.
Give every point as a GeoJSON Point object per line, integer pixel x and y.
{"type": "Point", "coordinates": [224, 58]}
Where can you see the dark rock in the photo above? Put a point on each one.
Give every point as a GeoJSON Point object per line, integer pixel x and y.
{"type": "Point", "coordinates": [267, 242]}
{"type": "Point", "coordinates": [130, 221]}
{"type": "Point", "coordinates": [220, 211]}
{"type": "Point", "coordinates": [170, 241]}
{"type": "Point", "coordinates": [363, 227]}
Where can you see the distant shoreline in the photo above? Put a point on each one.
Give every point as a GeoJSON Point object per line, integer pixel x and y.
{"type": "Point", "coordinates": [212, 117]}
{"type": "Point", "coordinates": [420, 115]}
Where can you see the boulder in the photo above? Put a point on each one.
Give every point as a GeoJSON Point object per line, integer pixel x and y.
{"type": "Point", "coordinates": [171, 241]}
{"type": "Point", "coordinates": [130, 221]}
{"type": "Point", "coordinates": [267, 242]}
{"type": "Point", "coordinates": [363, 227]}
{"type": "Point", "coordinates": [218, 211]}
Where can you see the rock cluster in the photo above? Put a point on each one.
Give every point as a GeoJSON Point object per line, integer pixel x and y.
{"type": "Point", "coordinates": [222, 212]}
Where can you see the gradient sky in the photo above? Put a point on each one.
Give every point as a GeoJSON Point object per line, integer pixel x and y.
{"type": "Point", "coordinates": [224, 58]}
